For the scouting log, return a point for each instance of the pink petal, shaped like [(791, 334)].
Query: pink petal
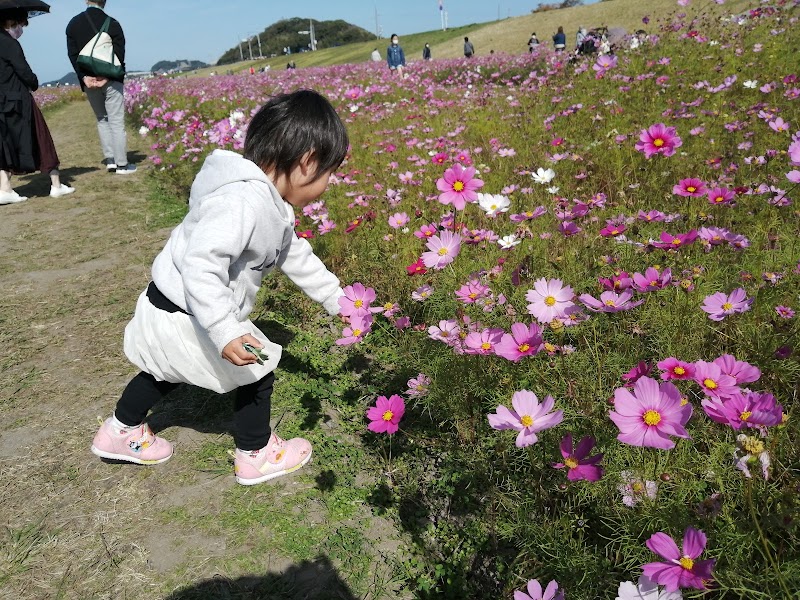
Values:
[(664, 546)]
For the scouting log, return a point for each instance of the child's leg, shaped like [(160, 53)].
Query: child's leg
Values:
[(260, 455), (125, 436), (251, 414), (140, 395)]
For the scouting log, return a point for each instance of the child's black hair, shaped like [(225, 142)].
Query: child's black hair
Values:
[(290, 125)]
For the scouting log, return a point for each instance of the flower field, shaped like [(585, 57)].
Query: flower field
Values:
[(571, 297)]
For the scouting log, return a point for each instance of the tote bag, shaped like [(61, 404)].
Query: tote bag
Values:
[(98, 56)]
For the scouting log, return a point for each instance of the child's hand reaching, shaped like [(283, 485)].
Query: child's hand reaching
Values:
[(235, 353)]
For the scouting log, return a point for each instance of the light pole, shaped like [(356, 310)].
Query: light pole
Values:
[(241, 54), (310, 32), (259, 46), (249, 47)]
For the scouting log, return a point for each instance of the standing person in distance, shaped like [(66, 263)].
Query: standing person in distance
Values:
[(25, 141), (559, 40), (395, 56), (192, 324), (105, 95), (469, 49), (533, 41), (375, 56), (426, 52)]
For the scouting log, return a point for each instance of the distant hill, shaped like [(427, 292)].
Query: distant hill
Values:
[(69, 79), (178, 65), (284, 34)]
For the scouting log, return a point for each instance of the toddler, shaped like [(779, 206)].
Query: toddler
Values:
[(191, 323)]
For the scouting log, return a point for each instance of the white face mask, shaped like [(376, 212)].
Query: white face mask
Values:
[(15, 32), (395, 42)]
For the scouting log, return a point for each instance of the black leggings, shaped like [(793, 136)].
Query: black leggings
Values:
[(251, 407)]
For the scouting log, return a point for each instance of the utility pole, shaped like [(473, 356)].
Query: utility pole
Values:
[(241, 54), (377, 24), (259, 46), (313, 35), (250, 47)]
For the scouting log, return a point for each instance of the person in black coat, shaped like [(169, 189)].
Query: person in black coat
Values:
[(105, 95), (25, 141)]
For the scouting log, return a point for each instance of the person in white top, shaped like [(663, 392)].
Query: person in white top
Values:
[(191, 324)]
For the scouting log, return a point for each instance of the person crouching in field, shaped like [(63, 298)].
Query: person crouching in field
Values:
[(191, 323)]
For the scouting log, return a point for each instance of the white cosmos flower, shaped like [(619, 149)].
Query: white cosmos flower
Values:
[(543, 176), (646, 590), (143, 130), (493, 204), (751, 83), (508, 241), (553, 189)]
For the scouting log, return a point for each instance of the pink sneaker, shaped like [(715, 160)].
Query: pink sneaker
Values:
[(278, 457), (137, 445)]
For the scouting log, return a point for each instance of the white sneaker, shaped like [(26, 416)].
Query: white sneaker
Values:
[(61, 191), (126, 169), (11, 197), (111, 166)]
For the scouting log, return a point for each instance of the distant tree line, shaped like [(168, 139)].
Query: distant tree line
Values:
[(557, 5)]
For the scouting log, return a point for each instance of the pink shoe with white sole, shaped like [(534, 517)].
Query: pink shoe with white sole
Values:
[(279, 457), (133, 444)]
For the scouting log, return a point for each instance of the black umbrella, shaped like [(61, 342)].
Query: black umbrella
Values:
[(34, 7)]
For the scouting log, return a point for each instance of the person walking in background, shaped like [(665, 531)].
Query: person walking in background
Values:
[(395, 56), (375, 56), (426, 52), (469, 49), (533, 41), (191, 324), (560, 40), (580, 37), (105, 95), (25, 141)]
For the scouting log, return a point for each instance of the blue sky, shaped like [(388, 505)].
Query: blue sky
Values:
[(204, 29)]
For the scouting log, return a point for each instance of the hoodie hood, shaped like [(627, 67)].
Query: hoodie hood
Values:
[(224, 170)]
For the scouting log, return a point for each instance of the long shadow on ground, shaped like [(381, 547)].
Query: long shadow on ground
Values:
[(308, 580)]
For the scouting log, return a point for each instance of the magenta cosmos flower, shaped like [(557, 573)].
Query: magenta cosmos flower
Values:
[(458, 186), (356, 300), (650, 415), (359, 327), (549, 299), (524, 340), (443, 249), (580, 467), (720, 305), (675, 369), (751, 409), (651, 280), (682, 570), (658, 139), (741, 371), (610, 302), (713, 381), (673, 242), (534, 589), (385, 416), (528, 417), (690, 188)]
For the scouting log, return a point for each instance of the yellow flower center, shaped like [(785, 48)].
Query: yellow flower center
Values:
[(745, 415), (571, 462), (727, 306), (610, 303), (686, 562), (679, 371), (524, 347), (473, 295), (753, 445), (526, 420), (719, 199), (387, 416), (654, 282), (691, 189), (549, 347), (358, 303), (550, 300), (388, 306), (684, 401), (651, 417), (486, 346), (710, 384), (442, 251), (493, 207), (458, 186), (676, 242), (658, 142), (356, 332), (637, 487)]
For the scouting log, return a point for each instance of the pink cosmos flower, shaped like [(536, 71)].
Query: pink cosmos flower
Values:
[(719, 305), (652, 215), (443, 250), (355, 332), (690, 188), (673, 242), (447, 332), (398, 220), (719, 195), (386, 414), (713, 381), (528, 417), (658, 139), (549, 299), (458, 186), (784, 312), (650, 414), (752, 409), (580, 467), (472, 291), (618, 282), (682, 570), (356, 300), (641, 369), (422, 293), (524, 340), (534, 590), (609, 302), (604, 63), (675, 369), (528, 214), (741, 371), (612, 230), (651, 280), (779, 125), (482, 342), (417, 268), (418, 386)]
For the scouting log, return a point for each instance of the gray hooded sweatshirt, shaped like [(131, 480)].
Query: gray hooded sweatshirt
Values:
[(237, 230)]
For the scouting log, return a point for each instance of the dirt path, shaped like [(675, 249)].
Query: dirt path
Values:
[(75, 527)]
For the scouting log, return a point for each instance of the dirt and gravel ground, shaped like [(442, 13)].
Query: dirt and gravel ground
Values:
[(74, 526)]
